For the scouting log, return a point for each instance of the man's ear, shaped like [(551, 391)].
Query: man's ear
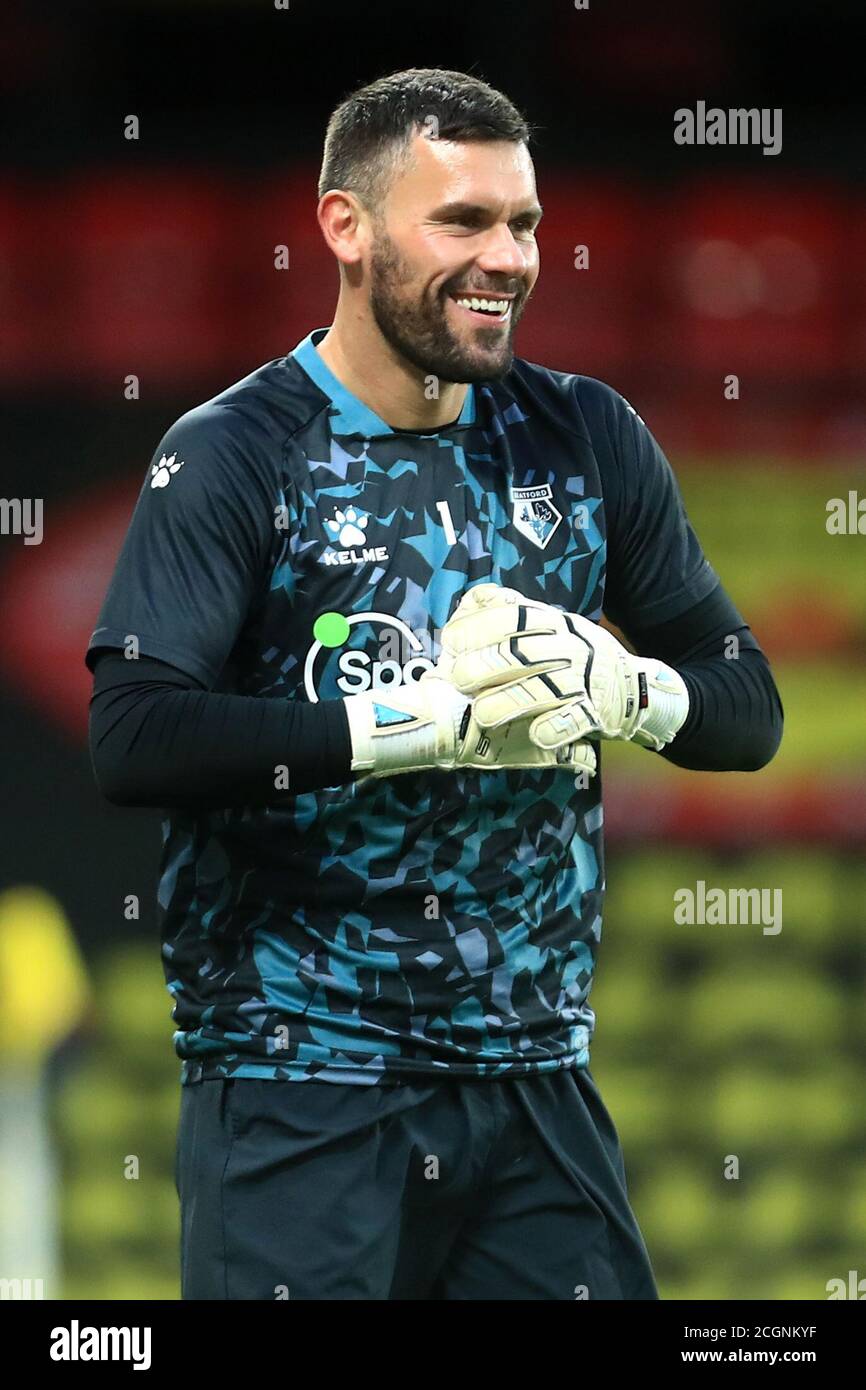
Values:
[(344, 225)]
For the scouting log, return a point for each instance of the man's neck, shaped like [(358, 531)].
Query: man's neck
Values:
[(396, 391)]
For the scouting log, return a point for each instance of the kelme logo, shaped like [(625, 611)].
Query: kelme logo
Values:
[(347, 531), (400, 654)]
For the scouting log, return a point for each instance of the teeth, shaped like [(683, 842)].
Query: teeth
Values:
[(488, 306)]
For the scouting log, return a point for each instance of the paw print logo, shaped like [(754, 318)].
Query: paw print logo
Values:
[(348, 527), (161, 473)]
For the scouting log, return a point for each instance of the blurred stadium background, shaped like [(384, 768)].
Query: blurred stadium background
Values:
[(154, 258)]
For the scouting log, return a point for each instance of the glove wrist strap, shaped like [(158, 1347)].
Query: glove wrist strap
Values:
[(667, 708), (401, 732)]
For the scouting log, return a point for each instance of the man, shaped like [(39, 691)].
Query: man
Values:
[(383, 877)]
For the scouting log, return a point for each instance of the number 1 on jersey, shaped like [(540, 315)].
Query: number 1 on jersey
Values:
[(447, 524)]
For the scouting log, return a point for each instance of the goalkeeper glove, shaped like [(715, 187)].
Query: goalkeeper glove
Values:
[(430, 724), (521, 658)]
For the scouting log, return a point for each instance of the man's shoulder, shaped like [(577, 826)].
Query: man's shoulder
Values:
[(582, 404), (262, 409)]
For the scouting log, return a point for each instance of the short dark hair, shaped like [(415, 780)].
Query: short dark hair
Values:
[(369, 133)]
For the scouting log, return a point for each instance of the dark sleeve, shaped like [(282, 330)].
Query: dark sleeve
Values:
[(735, 714), (197, 547), (665, 596), (656, 568), (157, 738)]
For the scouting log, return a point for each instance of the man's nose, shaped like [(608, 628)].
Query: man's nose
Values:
[(502, 253)]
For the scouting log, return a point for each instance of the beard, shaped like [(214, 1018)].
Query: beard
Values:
[(419, 330)]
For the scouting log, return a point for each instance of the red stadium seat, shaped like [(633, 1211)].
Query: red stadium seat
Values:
[(585, 320), (147, 262), (748, 274), (30, 248), (856, 289), (274, 308)]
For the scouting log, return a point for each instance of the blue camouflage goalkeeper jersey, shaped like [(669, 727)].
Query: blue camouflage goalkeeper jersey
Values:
[(289, 544)]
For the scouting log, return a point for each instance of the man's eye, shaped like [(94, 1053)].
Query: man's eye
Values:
[(471, 221)]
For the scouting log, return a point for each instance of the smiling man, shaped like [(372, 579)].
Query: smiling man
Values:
[(447, 286), (382, 878)]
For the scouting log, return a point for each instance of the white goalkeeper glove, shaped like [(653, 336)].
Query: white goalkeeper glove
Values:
[(573, 679), (430, 724)]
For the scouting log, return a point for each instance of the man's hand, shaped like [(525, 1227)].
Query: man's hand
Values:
[(572, 679), (431, 724)]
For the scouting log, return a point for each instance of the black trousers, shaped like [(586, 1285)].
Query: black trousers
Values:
[(494, 1189)]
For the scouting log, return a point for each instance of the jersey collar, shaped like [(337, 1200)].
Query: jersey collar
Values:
[(351, 415)]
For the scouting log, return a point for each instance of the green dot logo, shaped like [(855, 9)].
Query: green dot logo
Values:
[(358, 669), (331, 629)]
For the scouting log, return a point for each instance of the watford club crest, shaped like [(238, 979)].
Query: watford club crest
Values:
[(535, 516)]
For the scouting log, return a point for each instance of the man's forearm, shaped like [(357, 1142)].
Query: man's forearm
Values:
[(157, 738), (734, 722), (735, 714)]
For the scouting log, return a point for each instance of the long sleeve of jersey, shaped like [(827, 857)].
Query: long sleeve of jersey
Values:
[(664, 594), (157, 738), (735, 714)]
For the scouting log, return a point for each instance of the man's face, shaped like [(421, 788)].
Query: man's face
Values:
[(458, 223)]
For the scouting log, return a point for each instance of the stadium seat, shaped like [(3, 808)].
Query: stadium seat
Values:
[(273, 309), (587, 320), (147, 263), (749, 280)]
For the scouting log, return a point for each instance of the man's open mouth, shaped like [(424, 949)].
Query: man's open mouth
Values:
[(484, 307)]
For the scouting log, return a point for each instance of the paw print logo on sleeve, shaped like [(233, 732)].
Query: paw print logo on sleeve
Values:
[(162, 473), (348, 527)]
